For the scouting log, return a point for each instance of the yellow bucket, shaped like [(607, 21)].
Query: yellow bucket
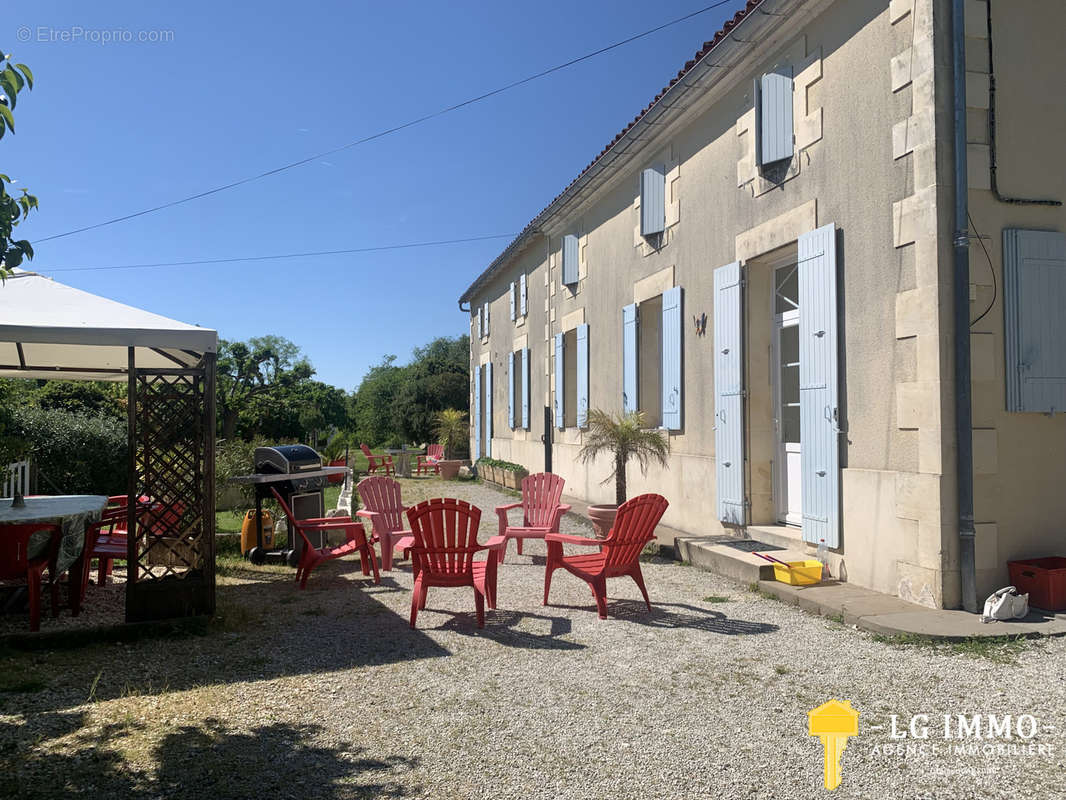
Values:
[(802, 573), (248, 531)]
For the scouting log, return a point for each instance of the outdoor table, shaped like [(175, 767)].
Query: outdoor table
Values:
[(401, 459), (73, 513)]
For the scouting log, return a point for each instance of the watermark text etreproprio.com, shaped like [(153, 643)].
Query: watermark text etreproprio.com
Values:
[(45, 34)]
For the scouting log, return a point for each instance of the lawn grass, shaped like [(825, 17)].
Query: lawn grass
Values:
[(998, 649)]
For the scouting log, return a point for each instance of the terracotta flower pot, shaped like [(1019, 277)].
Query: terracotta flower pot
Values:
[(602, 518), (449, 470)]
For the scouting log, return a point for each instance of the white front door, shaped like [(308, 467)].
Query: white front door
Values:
[(786, 361)]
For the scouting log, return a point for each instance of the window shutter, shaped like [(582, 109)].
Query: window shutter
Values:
[(774, 116), (559, 371), (510, 390), (477, 410), (819, 415), (582, 376), (729, 395), (672, 375), (525, 388), (512, 301), (1034, 293), (488, 409), (486, 333), (570, 256), (629, 358), (479, 324), (522, 294), (652, 201)]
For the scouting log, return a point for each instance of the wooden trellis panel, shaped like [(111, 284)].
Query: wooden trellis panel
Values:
[(171, 565)]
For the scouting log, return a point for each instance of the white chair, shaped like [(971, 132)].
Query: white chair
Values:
[(16, 477)]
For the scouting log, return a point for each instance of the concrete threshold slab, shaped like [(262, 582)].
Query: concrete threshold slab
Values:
[(864, 608)]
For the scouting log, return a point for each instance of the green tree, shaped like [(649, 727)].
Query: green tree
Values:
[(87, 397), (394, 404), (14, 78), (253, 373)]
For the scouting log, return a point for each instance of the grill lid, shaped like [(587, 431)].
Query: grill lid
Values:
[(286, 458)]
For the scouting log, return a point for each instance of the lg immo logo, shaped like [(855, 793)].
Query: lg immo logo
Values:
[(833, 723)]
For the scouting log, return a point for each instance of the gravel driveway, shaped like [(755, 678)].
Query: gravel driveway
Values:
[(328, 694)]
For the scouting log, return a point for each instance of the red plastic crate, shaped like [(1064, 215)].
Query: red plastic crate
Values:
[(1043, 578)]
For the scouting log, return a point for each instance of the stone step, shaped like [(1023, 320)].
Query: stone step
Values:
[(714, 553)]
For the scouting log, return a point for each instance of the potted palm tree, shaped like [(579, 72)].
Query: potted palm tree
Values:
[(450, 428), (622, 436)]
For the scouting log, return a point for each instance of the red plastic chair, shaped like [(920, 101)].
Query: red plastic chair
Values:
[(377, 462), (356, 542), (445, 532), (383, 506), (109, 541), (15, 563), (619, 553), (541, 510), (428, 462)]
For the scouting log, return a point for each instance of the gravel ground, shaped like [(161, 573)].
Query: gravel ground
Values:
[(328, 694)]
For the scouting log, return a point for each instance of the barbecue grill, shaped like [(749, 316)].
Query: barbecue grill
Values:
[(295, 471)]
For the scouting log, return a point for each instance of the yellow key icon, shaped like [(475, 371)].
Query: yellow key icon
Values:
[(833, 722)]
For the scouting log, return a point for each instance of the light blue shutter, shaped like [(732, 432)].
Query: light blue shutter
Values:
[(486, 331), (525, 388), (652, 201), (488, 409), (629, 358), (672, 374), (819, 413), (510, 390), (559, 419), (570, 256), (479, 322), (1034, 294), (582, 376), (477, 411), (774, 118), (729, 395), (522, 294), (512, 301)]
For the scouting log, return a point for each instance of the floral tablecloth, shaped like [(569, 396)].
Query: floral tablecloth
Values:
[(72, 512)]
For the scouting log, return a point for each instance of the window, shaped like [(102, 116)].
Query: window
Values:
[(1034, 293), (518, 298), (570, 259), (518, 389), (773, 117), (652, 201), (651, 359), (572, 378)]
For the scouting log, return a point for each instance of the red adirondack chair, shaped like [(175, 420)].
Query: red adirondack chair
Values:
[(15, 563), (377, 462), (383, 506), (541, 510), (445, 532), (619, 553), (434, 454), (356, 542)]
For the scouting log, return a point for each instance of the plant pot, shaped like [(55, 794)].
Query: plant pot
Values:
[(602, 518), (449, 469), (513, 480)]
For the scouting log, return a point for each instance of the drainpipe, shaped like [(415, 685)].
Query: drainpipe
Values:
[(961, 242)]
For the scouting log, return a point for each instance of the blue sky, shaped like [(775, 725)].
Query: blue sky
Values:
[(112, 128)]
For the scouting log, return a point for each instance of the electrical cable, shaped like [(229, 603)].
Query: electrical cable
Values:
[(313, 254), (995, 285), (388, 131)]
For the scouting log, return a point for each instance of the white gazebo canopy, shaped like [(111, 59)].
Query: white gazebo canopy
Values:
[(50, 330)]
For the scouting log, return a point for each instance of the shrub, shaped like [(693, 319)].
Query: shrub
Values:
[(74, 453)]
